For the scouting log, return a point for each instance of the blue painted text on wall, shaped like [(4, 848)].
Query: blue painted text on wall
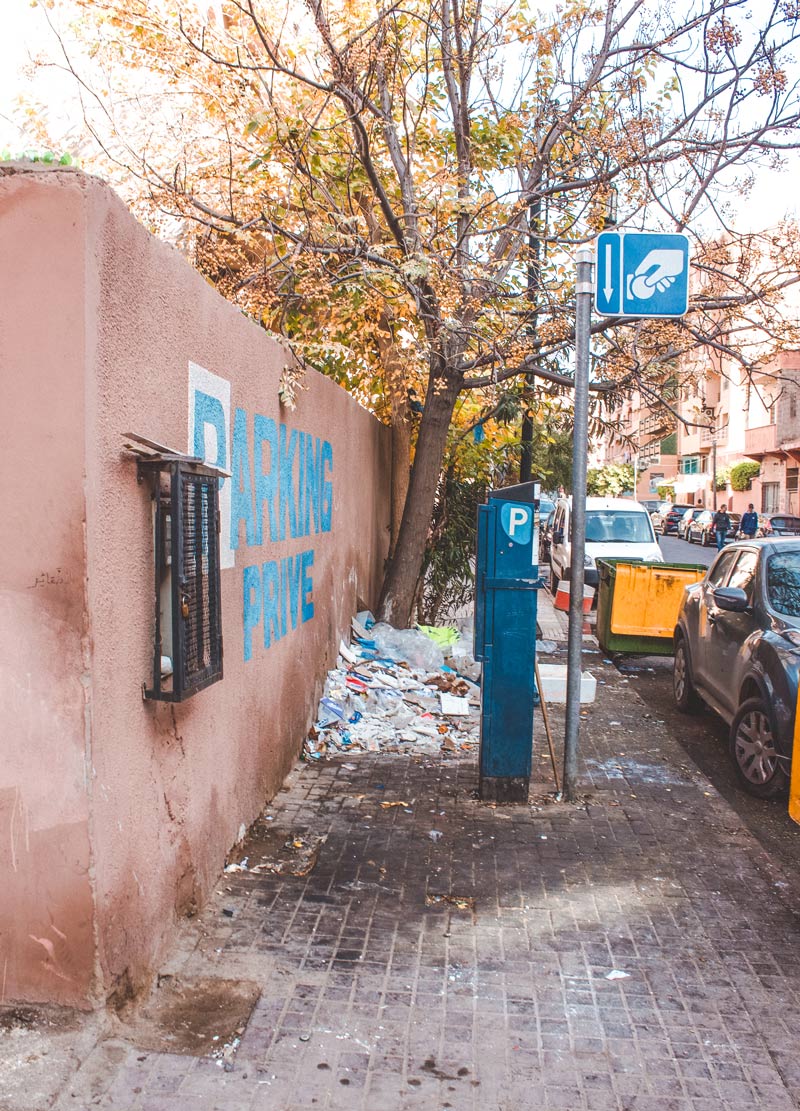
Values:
[(281, 482), (280, 489), (278, 597)]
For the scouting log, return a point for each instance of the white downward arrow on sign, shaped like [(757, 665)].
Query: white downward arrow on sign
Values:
[(608, 288)]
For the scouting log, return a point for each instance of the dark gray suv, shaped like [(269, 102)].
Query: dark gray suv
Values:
[(737, 647)]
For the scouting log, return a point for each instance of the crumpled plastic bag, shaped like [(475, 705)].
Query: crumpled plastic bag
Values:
[(410, 645), (461, 658), (462, 647)]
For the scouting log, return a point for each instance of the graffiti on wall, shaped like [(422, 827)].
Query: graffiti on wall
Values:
[(280, 490)]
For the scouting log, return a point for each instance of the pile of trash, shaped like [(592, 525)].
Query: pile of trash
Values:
[(398, 690)]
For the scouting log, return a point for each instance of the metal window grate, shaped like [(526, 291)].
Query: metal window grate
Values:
[(199, 579), (187, 652)]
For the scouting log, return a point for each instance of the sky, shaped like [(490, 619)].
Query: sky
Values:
[(24, 32)]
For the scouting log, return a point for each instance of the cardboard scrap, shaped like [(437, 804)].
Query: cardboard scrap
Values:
[(452, 704)]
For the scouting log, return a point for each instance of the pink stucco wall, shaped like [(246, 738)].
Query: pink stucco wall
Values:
[(46, 919), (120, 811)]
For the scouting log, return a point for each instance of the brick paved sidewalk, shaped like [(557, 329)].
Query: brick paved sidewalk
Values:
[(377, 993)]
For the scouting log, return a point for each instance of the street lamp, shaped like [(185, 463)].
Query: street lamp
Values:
[(710, 411), (612, 204)]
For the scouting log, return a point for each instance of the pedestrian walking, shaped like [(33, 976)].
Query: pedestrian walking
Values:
[(722, 523), (749, 522)]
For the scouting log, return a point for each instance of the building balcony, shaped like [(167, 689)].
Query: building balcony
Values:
[(759, 442), (656, 426), (688, 443), (708, 436)]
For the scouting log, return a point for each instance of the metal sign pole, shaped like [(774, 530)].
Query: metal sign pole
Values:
[(577, 528)]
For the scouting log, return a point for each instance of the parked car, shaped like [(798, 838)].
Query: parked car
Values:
[(737, 647), (657, 514), (701, 528), (778, 524), (650, 504), (688, 516), (659, 511), (665, 520), (616, 528), (545, 537)]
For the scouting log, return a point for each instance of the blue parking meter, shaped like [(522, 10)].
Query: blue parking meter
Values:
[(507, 578)]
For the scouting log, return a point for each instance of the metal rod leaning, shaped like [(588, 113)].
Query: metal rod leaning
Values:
[(546, 719)]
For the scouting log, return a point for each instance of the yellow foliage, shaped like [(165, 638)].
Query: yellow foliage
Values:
[(316, 165)]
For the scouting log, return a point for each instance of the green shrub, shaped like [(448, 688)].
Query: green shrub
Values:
[(611, 480), (742, 474)]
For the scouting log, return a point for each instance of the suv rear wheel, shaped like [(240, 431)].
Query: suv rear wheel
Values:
[(755, 752), (686, 697)]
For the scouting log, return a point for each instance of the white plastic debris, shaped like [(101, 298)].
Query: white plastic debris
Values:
[(617, 974), (460, 657), (240, 867), (409, 645), (377, 700)]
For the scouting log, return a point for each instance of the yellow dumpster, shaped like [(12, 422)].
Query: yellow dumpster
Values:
[(638, 603)]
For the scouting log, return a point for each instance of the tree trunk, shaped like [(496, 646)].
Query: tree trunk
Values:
[(397, 389), (397, 596), (401, 469)]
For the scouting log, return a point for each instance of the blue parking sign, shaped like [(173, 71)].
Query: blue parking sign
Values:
[(642, 274)]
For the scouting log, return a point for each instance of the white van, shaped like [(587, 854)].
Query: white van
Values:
[(616, 528)]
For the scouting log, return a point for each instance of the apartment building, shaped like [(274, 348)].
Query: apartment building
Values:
[(731, 417), (644, 436), (775, 445)]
